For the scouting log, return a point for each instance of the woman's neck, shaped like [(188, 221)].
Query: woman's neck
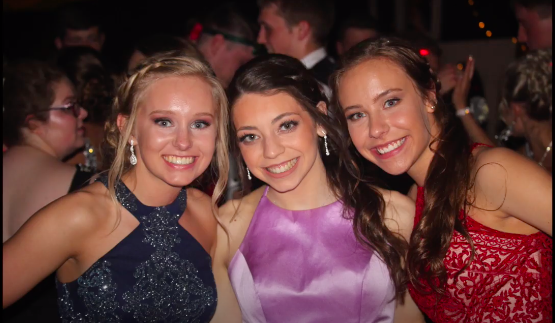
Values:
[(312, 192), (149, 189)]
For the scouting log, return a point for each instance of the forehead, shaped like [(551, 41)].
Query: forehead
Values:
[(252, 106), (178, 92), (370, 78), (82, 32), (63, 89), (271, 15)]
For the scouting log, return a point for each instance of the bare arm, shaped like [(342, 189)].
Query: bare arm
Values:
[(460, 95), (408, 312), (516, 185), (227, 309), (49, 238)]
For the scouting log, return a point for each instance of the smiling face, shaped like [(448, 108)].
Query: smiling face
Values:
[(175, 131), (278, 140), (388, 120)]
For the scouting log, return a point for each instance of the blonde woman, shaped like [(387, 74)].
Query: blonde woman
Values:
[(135, 246)]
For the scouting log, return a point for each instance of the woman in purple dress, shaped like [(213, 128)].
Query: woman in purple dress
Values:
[(291, 251)]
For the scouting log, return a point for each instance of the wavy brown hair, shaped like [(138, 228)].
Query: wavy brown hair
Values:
[(363, 203), (448, 178), (127, 101)]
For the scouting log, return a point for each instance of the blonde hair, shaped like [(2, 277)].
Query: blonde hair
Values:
[(529, 80), (126, 103)]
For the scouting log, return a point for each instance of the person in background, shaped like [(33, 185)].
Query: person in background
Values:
[(42, 124), (534, 22), (226, 39), (79, 25), (527, 104), (160, 43), (299, 29), (135, 245), (354, 29), (95, 90), (481, 247)]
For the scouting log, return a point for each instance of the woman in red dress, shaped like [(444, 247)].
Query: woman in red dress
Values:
[(481, 247)]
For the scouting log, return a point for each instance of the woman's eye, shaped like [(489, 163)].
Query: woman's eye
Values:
[(355, 116), (248, 138), (288, 125), (200, 125), (163, 122), (391, 102)]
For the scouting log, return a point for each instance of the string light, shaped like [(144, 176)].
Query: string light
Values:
[(424, 52), (460, 66), (488, 33), (471, 2), (514, 40), (481, 25)]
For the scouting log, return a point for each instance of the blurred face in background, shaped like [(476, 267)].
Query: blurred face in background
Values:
[(354, 36), (534, 27), (91, 37), (63, 132), (274, 33)]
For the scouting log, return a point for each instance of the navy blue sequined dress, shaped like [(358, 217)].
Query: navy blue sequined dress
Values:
[(158, 273)]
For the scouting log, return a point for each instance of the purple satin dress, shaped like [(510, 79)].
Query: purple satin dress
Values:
[(307, 267)]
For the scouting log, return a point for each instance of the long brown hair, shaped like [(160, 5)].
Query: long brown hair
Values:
[(127, 101), (448, 177), (275, 73)]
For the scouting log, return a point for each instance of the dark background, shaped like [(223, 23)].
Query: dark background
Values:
[(29, 25)]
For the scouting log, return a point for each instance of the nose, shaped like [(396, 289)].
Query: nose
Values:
[(182, 139), (82, 113), (522, 34), (377, 127), (272, 148), (261, 36)]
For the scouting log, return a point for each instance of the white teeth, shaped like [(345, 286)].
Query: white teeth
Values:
[(179, 160), (282, 168), (390, 147)]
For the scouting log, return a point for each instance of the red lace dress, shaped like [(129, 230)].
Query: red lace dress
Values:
[(508, 281)]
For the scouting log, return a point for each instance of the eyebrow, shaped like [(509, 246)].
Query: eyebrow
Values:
[(276, 119), (172, 113), (283, 115), (376, 98)]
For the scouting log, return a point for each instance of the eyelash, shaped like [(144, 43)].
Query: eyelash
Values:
[(352, 116), (290, 123), (396, 100), (243, 139), (203, 123)]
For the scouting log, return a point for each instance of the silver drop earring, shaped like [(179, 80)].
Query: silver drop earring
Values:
[(132, 158), (326, 144), (249, 174), (506, 133)]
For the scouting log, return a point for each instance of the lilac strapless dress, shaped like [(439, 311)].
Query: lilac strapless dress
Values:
[(307, 267)]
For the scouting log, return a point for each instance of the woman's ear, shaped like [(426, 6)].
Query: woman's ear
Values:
[(431, 101), (322, 107), (121, 122)]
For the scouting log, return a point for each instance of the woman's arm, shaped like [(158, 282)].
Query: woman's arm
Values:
[(49, 238), (227, 309), (516, 185)]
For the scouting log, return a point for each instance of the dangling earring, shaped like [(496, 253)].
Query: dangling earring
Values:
[(249, 174), (326, 143), (433, 107), (132, 158)]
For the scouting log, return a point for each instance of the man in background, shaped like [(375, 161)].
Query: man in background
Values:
[(300, 29), (356, 28), (226, 40), (79, 25), (534, 22)]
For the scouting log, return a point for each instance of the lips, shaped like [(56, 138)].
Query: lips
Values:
[(283, 167), (390, 146), (177, 160)]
